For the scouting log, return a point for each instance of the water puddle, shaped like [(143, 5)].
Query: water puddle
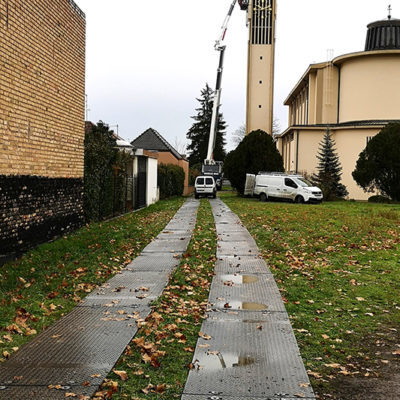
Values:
[(215, 360), (242, 305), (238, 279)]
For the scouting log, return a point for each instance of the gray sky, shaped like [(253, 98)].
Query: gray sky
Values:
[(148, 60)]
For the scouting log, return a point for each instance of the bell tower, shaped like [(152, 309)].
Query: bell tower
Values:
[(261, 56)]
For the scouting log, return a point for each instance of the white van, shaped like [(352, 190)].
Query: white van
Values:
[(275, 185), (205, 185)]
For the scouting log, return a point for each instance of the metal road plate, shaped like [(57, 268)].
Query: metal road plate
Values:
[(236, 237), (243, 248), (247, 359), (213, 396), (154, 262), (257, 292), (251, 265), (44, 393), (68, 352), (231, 219), (174, 235), (128, 288), (167, 246), (227, 228), (178, 226)]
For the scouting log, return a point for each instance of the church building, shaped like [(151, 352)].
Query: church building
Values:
[(353, 96)]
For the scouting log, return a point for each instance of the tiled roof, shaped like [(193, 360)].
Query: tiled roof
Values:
[(152, 140)]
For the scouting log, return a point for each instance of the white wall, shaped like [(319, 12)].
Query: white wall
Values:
[(152, 189)]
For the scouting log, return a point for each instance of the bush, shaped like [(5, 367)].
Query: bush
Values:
[(194, 172), (100, 156), (105, 174), (379, 199), (256, 152), (171, 180), (378, 166)]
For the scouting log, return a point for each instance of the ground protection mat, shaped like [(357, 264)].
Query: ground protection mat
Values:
[(247, 348), (74, 355)]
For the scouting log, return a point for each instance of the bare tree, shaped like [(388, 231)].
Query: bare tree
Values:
[(240, 132), (180, 145)]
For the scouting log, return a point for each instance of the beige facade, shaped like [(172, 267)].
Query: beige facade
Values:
[(354, 96), (261, 54), (42, 88)]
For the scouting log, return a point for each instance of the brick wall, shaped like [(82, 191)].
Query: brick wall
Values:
[(42, 88), (42, 113)]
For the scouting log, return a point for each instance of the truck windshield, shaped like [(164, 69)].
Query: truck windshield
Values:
[(303, 182)]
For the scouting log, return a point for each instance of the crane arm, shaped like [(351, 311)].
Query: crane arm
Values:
[(224, 27), (217, 93)]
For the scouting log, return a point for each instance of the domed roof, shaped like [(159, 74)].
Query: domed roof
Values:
[(383, 35)]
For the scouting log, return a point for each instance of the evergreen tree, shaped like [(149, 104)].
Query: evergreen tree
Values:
[(199, 133), (329, 170)]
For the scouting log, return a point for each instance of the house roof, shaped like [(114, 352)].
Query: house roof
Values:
[(152, 140)]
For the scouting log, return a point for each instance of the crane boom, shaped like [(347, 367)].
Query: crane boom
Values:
[(217, 93)]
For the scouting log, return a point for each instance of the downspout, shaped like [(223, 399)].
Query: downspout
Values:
[(338, 99), (297, 151)]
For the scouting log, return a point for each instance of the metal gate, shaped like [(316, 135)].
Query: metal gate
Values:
[(142, 182)]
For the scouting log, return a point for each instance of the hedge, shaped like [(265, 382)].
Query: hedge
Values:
[(171, 180)]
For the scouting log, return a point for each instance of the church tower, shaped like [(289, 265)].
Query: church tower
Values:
[(261, 55)]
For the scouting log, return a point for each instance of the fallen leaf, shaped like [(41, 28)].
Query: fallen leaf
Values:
[(333, 365), (325, 336), (122, 374)]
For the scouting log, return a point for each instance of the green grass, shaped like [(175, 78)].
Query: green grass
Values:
[(338, 269), (157, 361), (47, 282)]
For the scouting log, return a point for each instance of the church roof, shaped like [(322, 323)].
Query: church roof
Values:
[(152, 140), (383, 35)]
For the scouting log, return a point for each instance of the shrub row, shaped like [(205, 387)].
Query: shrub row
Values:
[(171, 179)]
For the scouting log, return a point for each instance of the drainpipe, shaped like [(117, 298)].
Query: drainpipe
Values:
[(338, 99), (297, 151)]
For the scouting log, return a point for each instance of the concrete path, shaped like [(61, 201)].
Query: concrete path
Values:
[(247, 349), (76, 353)]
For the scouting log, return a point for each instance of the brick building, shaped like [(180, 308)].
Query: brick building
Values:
[(166, 154), (42, 107)]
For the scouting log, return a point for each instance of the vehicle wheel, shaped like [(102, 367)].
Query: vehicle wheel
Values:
[(196, 196), (214, 196), (263, 197), (299, 200)]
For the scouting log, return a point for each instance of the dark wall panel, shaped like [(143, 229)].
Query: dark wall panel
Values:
[(35, 209)]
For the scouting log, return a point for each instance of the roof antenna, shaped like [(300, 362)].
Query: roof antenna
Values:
[(390, 12)]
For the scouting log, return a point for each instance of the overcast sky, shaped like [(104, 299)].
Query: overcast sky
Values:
[(148, 60)]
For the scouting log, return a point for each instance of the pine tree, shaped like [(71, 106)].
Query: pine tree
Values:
[(199, 133), (329, 170)]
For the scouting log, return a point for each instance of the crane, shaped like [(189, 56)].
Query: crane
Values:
[(210, 166)]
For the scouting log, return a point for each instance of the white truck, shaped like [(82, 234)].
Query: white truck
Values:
[(275, 185)]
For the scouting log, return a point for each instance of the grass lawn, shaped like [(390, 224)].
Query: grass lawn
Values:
[(156, 363), (47, 282), (338, 269)]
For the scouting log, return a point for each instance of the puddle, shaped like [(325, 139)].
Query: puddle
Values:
[(215, 361), (238, 279), (242, 305)]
